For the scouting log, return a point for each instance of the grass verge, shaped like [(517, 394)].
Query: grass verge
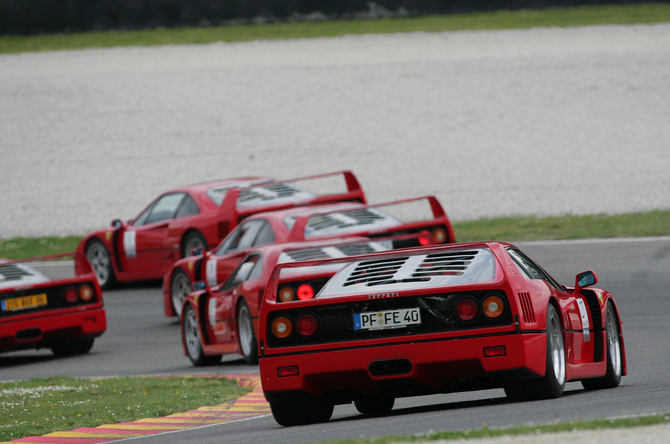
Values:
[(509, 229), (580, 16), (486, 431), (41, 406)]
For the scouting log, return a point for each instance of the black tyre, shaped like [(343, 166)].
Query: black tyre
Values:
[(245, 331), (101, 262), (553, 382), (292, 413), (71, 348), (191, 335), (375, 405), (193, 240), (614, 358), (180, 287)]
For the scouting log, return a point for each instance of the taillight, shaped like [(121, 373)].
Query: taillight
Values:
[(307, 325), (86, 292), (286, 294), (493, 307), (71, 295), (440, 235), (305, 292), (424, 238), (282, 327), (467, 309)]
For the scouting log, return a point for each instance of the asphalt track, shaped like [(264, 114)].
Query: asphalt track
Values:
[(141, 341)]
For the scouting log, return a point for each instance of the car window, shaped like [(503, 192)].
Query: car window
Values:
[(188, 207), (530, 269), (242, 237), (250, 269), (164, 208), (265, 235)]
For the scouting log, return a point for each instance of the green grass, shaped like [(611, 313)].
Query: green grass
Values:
[(509, 229), (581, 16), (41, 406), (486, 431)]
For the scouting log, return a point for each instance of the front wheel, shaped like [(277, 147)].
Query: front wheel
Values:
[(292, 413), (191, 335), (100, 261), (245, 330), (180, 287), (614, 360)]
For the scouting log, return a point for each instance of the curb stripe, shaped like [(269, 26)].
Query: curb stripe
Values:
[(251, 405)]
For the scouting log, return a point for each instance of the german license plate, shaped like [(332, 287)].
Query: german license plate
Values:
[(379, 320), (24, 302)]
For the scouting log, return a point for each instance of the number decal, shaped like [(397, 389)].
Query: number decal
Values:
[(210, 272), (129, 245), (585, 320)]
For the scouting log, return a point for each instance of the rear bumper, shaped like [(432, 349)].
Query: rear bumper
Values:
[(436, 367), (51, 328)]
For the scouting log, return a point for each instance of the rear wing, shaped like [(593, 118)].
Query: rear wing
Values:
[(229, 214), (299, 227)]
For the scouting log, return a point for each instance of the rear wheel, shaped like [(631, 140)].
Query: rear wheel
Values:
[(553, 382), (245, 330), (193, 240), (75, 347), (291, 413), (614, 360), (382, 404), (100, 261), (191, 335), (179, 289)]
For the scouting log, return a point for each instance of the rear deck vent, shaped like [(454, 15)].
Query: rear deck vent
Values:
[(356, 249), (267, 192), (527, 307), (308, 254), (375, 272), (343, 220), (445, 264), (12, 273)]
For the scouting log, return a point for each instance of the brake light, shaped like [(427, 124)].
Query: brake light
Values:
[(307, 325), (305, 292), (85, 292), (282, 327), (424, 239), (467, 310), (71, 295), (286, 294), (493, 307)]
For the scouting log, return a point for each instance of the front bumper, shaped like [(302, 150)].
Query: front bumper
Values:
[(50, 328), (437, 366)]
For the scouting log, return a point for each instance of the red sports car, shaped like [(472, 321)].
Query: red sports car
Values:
[(300, 224), (196, 216), (435, 320), (65, 315), (224, 319)]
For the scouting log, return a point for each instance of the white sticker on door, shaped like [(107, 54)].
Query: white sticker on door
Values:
[(129, 244), (585, 320), (210, 272)]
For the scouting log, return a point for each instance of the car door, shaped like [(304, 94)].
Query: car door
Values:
[(221, 312), (235, 247)]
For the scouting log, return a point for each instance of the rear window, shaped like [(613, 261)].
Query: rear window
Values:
[(262, 193), (343, 222)]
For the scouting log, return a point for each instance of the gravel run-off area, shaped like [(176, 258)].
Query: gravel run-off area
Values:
[(545, 121)]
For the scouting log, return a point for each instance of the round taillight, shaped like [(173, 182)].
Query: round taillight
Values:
[(493, 306), (71, 295), (467, 310), (86, 292), (286, 294), (424, 238), (307, 325), (282, 327), (305, 292), (440, 235)]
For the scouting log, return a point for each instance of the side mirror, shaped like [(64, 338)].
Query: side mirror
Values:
[(197, 251), (117, 223), (585, 279)]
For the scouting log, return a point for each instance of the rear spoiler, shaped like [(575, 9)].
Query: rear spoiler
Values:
[(298, 231), (229, 215)]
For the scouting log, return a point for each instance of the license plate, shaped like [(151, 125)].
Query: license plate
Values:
[(379, 320), (24, 302)]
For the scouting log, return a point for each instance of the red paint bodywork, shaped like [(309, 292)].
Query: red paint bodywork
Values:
[(195, 266), (43, 326), (160, 244), (442, 361)]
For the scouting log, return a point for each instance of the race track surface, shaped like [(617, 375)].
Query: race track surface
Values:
[(140, 340), (540, 121)]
